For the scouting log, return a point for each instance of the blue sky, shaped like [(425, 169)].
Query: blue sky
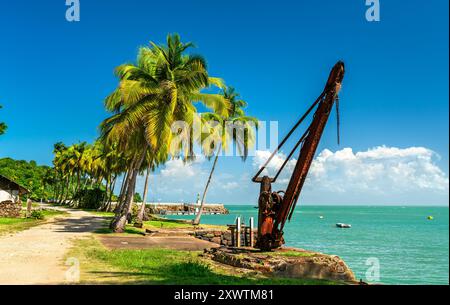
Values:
[(55, 75)]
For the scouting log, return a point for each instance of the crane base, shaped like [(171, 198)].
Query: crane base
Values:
[(268, 242)]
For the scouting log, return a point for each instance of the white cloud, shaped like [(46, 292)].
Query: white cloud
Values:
[(382, 170), (380, 175)]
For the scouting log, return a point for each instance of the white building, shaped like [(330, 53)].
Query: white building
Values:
[(10, 190)]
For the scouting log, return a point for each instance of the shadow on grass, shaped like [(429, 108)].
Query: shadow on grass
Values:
[(171, 267)]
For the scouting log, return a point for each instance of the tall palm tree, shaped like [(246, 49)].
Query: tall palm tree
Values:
[(243, 140), (160, 89), (154, 159), (2, 125)]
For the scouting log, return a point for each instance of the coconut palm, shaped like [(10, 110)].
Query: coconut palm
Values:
[(160, 89), (242, 138)]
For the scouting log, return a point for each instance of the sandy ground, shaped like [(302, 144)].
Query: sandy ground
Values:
[(36, 256)]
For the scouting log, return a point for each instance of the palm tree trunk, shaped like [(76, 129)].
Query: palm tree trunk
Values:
[(119, 222), (66, 190), (111, 193), (196, 221), (140, 216)]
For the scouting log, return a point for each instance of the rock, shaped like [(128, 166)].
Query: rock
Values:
[(216, 240), (306, 265), (227, 235), (10, 209)]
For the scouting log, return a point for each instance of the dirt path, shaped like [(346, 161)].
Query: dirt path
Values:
[(186, 243), (36, 256)]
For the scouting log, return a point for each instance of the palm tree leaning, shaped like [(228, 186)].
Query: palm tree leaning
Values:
[(243, 140), (160, 89)]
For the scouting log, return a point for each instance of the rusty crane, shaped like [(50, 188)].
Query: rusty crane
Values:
[(275, 208)]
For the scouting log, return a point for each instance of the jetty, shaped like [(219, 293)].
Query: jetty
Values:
[(176, 208)]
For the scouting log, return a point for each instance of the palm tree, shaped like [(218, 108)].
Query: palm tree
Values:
[(160, 89), (153, 161), (2, 125), (242, 140)]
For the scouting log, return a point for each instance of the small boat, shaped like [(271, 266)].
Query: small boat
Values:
[(321, 217), (343, 225), (430, 217)]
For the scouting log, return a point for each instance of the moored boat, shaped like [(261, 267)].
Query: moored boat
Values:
[(343, 225)]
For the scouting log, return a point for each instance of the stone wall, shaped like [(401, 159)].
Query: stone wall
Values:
[(221, 237), (10, 209), (170, 209)]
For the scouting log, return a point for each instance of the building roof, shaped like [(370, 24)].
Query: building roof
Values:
[(13, 185)]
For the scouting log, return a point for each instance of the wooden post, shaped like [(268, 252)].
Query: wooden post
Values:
[(252, 237), (29, 206), (238, 232), (233, 237)]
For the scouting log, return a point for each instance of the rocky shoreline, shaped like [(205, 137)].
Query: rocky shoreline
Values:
[(286, 263)]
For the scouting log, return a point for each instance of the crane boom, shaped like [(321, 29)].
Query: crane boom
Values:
[(274, 207)]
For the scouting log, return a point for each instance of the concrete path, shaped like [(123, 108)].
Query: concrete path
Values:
[(36, 256)]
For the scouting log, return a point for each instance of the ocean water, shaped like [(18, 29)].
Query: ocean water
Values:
[(409, 248)]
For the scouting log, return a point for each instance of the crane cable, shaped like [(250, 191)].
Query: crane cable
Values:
[(319, 99)]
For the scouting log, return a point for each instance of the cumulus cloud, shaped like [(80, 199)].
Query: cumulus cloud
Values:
[(380, 175), (383, 170)]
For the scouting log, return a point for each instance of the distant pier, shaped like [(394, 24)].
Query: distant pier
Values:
[(175, 208)]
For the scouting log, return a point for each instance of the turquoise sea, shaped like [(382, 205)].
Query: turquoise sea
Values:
[(410, 248)]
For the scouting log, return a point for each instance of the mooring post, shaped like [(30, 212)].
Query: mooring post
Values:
[(238, 232), (251, 236)]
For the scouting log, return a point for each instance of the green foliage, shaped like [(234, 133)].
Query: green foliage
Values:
[(137, 197), (2, 125), (37, 214), (90, 198), (29, 175)]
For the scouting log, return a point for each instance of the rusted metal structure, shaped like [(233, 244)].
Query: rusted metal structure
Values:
[(275, 208)]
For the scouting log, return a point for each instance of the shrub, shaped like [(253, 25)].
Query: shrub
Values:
[(90, 198), (37, 214)]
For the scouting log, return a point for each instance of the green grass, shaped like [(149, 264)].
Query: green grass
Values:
[(162, 266), (166, 224), (33, 204), (11, 225), (128, 230), (163, 223)]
